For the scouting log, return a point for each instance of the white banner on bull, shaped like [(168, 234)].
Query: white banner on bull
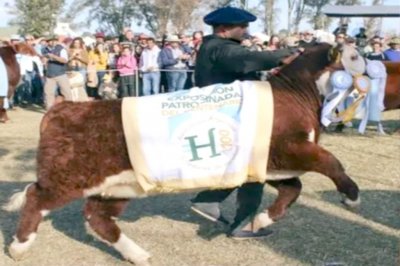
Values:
[(199, 138)]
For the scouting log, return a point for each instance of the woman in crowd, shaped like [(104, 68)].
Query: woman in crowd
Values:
[(274, 43), (78, 57), (100, 59), (377, 53), (113, 55), (127, 68)]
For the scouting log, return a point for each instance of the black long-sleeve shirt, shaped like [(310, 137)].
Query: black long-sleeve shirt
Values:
[(224, 60)]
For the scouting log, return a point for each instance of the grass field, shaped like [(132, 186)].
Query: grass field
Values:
[(316, 231)]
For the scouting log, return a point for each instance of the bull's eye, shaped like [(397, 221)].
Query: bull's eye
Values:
[(354, 57)]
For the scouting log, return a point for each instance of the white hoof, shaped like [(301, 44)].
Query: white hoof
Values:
[(18, 250), (351, 203), (143, 263), (262, 220), (131, 251)]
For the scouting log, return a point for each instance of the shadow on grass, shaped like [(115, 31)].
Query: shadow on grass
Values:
[(34, 108), (4, 152), (317, 238), (307, 235), (391, 127), (376, 205)]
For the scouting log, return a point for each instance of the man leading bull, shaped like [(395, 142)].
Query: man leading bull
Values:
[(221, 59)]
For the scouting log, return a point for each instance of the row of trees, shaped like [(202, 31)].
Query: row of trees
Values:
[(161, 16)]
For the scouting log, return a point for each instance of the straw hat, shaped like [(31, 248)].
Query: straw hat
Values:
[(173, 38), (395, 40)]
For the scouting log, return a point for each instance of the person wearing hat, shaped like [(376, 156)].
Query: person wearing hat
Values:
[(221, 59), (57, 60), (100, 37), (361, 39), (174, 59), (393, 53), (15, 38)]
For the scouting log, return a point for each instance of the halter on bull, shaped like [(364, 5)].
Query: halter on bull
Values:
[(81, 152)]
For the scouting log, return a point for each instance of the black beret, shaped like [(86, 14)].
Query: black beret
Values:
[(229, 16)]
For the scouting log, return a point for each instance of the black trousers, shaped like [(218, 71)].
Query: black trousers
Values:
[(127, 86), (249, 198)]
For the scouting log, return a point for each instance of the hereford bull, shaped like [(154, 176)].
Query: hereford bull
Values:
[(392, 90), (8, 54), (82, 153)]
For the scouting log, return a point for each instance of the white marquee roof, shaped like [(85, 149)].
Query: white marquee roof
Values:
[(361, 11)]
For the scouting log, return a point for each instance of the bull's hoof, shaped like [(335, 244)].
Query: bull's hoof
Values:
[(4, 119), (144, 260), (350, 203), (18, 250), (143, 263)]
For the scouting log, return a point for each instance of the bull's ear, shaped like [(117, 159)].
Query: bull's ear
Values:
[(335, 52)]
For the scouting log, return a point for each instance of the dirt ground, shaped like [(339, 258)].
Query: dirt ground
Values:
[(316, 231)]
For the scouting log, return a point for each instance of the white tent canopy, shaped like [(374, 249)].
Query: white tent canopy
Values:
[(361, 11)]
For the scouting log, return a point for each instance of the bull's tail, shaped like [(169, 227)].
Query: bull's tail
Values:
[(17, 201)]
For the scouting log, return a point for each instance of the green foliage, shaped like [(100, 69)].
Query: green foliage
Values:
[(36, 16)]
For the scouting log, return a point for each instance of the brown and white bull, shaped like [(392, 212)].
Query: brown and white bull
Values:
[(82, 153)]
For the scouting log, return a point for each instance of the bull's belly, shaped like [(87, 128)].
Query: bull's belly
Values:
[(283, 174), (122, 185), (125, 185)]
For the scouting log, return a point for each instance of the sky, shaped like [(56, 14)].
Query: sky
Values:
[(389, 24)]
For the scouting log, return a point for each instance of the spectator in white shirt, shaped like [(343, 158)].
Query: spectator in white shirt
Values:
[(149, 65), (27, 60)]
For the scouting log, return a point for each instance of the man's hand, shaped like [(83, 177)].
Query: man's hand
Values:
[(290, 58)]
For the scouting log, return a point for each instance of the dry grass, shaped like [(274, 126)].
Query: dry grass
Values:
[(316, 231)]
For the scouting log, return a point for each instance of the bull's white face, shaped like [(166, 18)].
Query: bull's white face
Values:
[(350, 60), (323, 84)]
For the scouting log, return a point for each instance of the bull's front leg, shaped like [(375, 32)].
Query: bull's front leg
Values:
[(3, 112), (310, 157), (100, 214), (288, 192)]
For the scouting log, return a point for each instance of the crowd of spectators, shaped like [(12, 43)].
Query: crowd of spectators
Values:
[(139, 64)]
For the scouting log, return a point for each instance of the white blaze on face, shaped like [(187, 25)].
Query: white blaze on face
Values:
[(323, 84)]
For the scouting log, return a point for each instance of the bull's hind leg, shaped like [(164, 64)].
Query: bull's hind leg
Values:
[(100, 214), (37, 203), (288, 192)]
